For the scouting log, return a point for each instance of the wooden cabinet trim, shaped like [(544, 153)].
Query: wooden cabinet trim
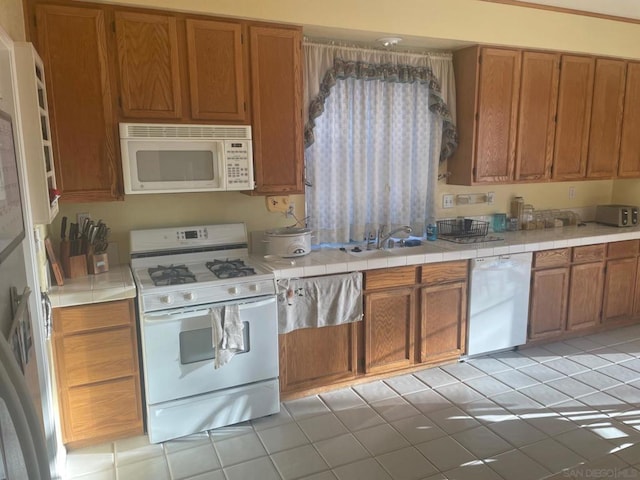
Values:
[(626, 248), (551, 258), (588, 253), (444, 272), (390, 277)]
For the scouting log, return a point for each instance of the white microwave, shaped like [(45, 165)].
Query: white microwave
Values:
[(165, 158)]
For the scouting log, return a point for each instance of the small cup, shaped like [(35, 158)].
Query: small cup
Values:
[(499, 222)]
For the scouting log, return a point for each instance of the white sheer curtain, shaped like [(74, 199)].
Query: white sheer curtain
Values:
[(374, 159)]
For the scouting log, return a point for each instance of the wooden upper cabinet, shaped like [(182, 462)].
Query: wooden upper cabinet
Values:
[(148, 65), (72, 42), (216, 58), (276, 103), (498, 91), (606, 118), (575, 90), (536, 115), (629, 165)]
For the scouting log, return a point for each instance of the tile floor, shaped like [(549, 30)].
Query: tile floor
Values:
[(564, 410)]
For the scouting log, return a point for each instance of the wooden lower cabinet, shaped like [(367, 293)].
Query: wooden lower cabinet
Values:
[(548, 302), (619, 289), (389, 329), (585, 295), (443, 325), (314, 357), (97, 372), (413, 315)]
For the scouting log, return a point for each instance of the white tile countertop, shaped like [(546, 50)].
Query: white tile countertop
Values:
[(324, 261), (116, 284)]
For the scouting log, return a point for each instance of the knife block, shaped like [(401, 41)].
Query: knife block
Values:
[(75, 266), (98, 263)]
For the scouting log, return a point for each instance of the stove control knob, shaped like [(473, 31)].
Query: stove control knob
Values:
[(166, 299), (254, 288), (234, 291), (189, 296)]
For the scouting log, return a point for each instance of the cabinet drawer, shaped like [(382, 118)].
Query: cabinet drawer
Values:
[(92, 316), (628, 248), (109, 409), (551, 258), (98, 356), (589, 253), (444, 272), (390, 277)]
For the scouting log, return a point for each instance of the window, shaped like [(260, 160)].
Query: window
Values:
[(374, 150)]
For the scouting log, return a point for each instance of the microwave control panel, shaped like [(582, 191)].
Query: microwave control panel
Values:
[(238, 164)]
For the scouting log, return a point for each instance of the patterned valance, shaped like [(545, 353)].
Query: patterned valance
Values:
[(343, 69)]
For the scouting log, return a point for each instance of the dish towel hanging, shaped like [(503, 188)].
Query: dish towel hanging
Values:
[(227, 333), (319, 301)]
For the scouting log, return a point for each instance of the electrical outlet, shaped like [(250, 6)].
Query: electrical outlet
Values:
[(572, 193), (448, 200), (278, 204), (81, 216), (491, 197)]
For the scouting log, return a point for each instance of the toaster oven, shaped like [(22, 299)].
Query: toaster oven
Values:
[(617, 215)]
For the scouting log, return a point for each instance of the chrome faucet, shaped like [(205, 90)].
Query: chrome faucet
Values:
[(382, 238)]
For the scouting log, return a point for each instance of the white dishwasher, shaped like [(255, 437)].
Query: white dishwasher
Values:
[(498, 303)]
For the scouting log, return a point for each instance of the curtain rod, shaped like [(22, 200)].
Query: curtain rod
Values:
[(355, 47)]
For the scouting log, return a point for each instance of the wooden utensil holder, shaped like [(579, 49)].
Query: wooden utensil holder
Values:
[(98, 263), (75, 266)]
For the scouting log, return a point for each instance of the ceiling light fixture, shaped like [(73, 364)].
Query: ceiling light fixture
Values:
[(389, 41)]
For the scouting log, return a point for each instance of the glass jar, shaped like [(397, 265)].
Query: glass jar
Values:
[(517, 208)]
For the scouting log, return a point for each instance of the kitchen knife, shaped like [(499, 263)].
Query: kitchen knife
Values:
[(65, 247), (63, 228)]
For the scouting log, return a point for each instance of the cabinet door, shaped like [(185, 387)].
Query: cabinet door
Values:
[(73, 45), (619, 289), (536, 115), (443, 322), (548, 304), (629, 165), (606, 118), (216, 57), (574, 113), (498, 91), (389, 329), (585, 295), (315, 357), (276, 103), (148, 65)]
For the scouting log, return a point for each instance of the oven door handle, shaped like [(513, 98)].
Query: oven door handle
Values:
[(174, 315)]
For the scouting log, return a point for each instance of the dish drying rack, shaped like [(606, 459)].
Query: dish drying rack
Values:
[(462, 227)]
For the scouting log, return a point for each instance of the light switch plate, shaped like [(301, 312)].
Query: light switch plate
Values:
[(448, 200)]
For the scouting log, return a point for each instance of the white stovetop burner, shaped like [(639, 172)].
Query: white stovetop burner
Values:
[(191, 248)]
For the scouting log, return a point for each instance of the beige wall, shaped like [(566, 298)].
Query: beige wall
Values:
[(471, 21), (12, 19)]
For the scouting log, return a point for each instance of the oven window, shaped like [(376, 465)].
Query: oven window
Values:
[(172, 166), (196, 345)]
